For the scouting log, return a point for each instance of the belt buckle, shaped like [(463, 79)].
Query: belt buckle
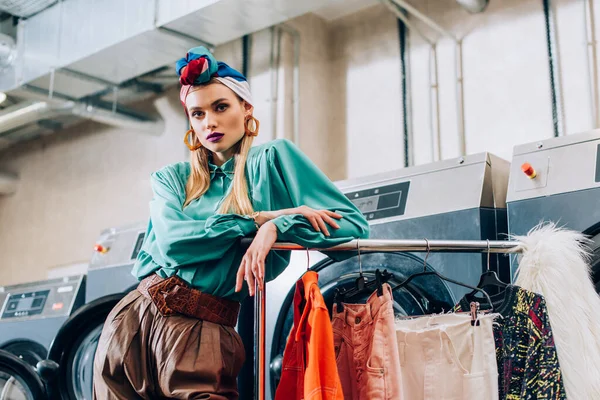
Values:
[(160, 290)]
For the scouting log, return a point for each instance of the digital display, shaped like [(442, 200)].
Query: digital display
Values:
[(381, 202), (378, 203), (138, 245), (366, 204), (25, 304)]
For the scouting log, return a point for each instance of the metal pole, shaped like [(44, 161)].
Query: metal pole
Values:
[(591, 52), (434, 93), (260, 305), (460, 95), (296, 80), (411, 245)]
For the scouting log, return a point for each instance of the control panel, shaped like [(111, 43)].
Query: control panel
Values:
[(118, 246), (381, 202), (51, 298), (559, 165)]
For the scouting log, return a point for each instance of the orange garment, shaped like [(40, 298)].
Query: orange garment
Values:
[(309, 367)]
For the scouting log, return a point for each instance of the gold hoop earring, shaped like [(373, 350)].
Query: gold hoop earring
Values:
[(250, 119), (187, 143)]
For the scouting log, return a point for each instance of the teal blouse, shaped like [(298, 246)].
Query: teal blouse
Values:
[(203, 247)]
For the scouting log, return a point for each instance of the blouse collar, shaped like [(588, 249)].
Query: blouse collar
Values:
[(227, 168)]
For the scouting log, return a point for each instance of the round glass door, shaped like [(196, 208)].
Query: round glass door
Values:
[(27, 350), (75, 345), (18, 380)]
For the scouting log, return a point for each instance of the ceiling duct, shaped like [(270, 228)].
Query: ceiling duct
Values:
[(80, 51), (474, 6), (25, 8), (115, 40)]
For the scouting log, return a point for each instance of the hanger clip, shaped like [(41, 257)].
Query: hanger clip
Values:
[(474, 313)]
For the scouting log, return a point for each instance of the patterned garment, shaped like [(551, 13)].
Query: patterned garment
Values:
[(528, 365)]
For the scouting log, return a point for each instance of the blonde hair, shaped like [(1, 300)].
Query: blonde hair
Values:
[(238, 200)]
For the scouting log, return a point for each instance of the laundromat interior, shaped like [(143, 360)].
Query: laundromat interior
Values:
[(464, 134)]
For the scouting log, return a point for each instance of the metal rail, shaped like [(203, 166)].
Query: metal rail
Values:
[(365, 245)]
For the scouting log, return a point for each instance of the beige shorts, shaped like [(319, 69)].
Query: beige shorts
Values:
[(443, 357)]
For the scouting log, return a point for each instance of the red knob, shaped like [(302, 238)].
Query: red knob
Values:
[(528, 170), (100, 249)]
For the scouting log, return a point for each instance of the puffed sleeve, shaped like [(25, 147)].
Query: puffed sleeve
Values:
[(297, 181), (180, 239)]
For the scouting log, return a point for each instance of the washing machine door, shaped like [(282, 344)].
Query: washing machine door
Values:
[(18, 379), (423, 295), (27, 350), (74, 348)]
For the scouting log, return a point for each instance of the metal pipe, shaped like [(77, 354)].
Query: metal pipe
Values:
[(458, 72), (102, 115), (460, 102), (553, 68), (296, 81), (406, 136), (411, 245), (590, 30), (434, 97), (260, 304), (274, 65), (22, 114)]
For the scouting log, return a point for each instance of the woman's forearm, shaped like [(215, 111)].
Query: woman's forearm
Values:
[(265, 216)]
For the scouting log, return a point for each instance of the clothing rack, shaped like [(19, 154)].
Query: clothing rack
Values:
[(364, 245)]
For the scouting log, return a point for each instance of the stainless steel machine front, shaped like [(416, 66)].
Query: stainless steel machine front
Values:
[(558, 180)]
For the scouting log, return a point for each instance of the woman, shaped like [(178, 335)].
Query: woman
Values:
[(174, 336)]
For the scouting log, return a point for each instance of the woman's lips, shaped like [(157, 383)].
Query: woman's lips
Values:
[(214, 137)]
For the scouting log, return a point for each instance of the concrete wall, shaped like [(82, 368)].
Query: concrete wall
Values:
[(90, 177)]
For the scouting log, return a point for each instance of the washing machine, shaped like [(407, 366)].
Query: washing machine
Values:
[(108, 280), (455, 199), (558, 180), (18, 379), (113, 257), (32, 313)]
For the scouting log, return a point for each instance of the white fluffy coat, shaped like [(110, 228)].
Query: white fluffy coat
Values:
[(555, 264)]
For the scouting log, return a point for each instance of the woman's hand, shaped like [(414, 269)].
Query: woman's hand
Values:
[(252, 267), (319, 219)]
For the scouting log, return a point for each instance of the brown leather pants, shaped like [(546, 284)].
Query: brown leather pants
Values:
[(144, 355)]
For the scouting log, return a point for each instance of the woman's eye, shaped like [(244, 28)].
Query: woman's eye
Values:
[(221, 107), (197, 114)]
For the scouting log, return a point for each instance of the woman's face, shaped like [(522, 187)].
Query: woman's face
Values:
[(217, 117)]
